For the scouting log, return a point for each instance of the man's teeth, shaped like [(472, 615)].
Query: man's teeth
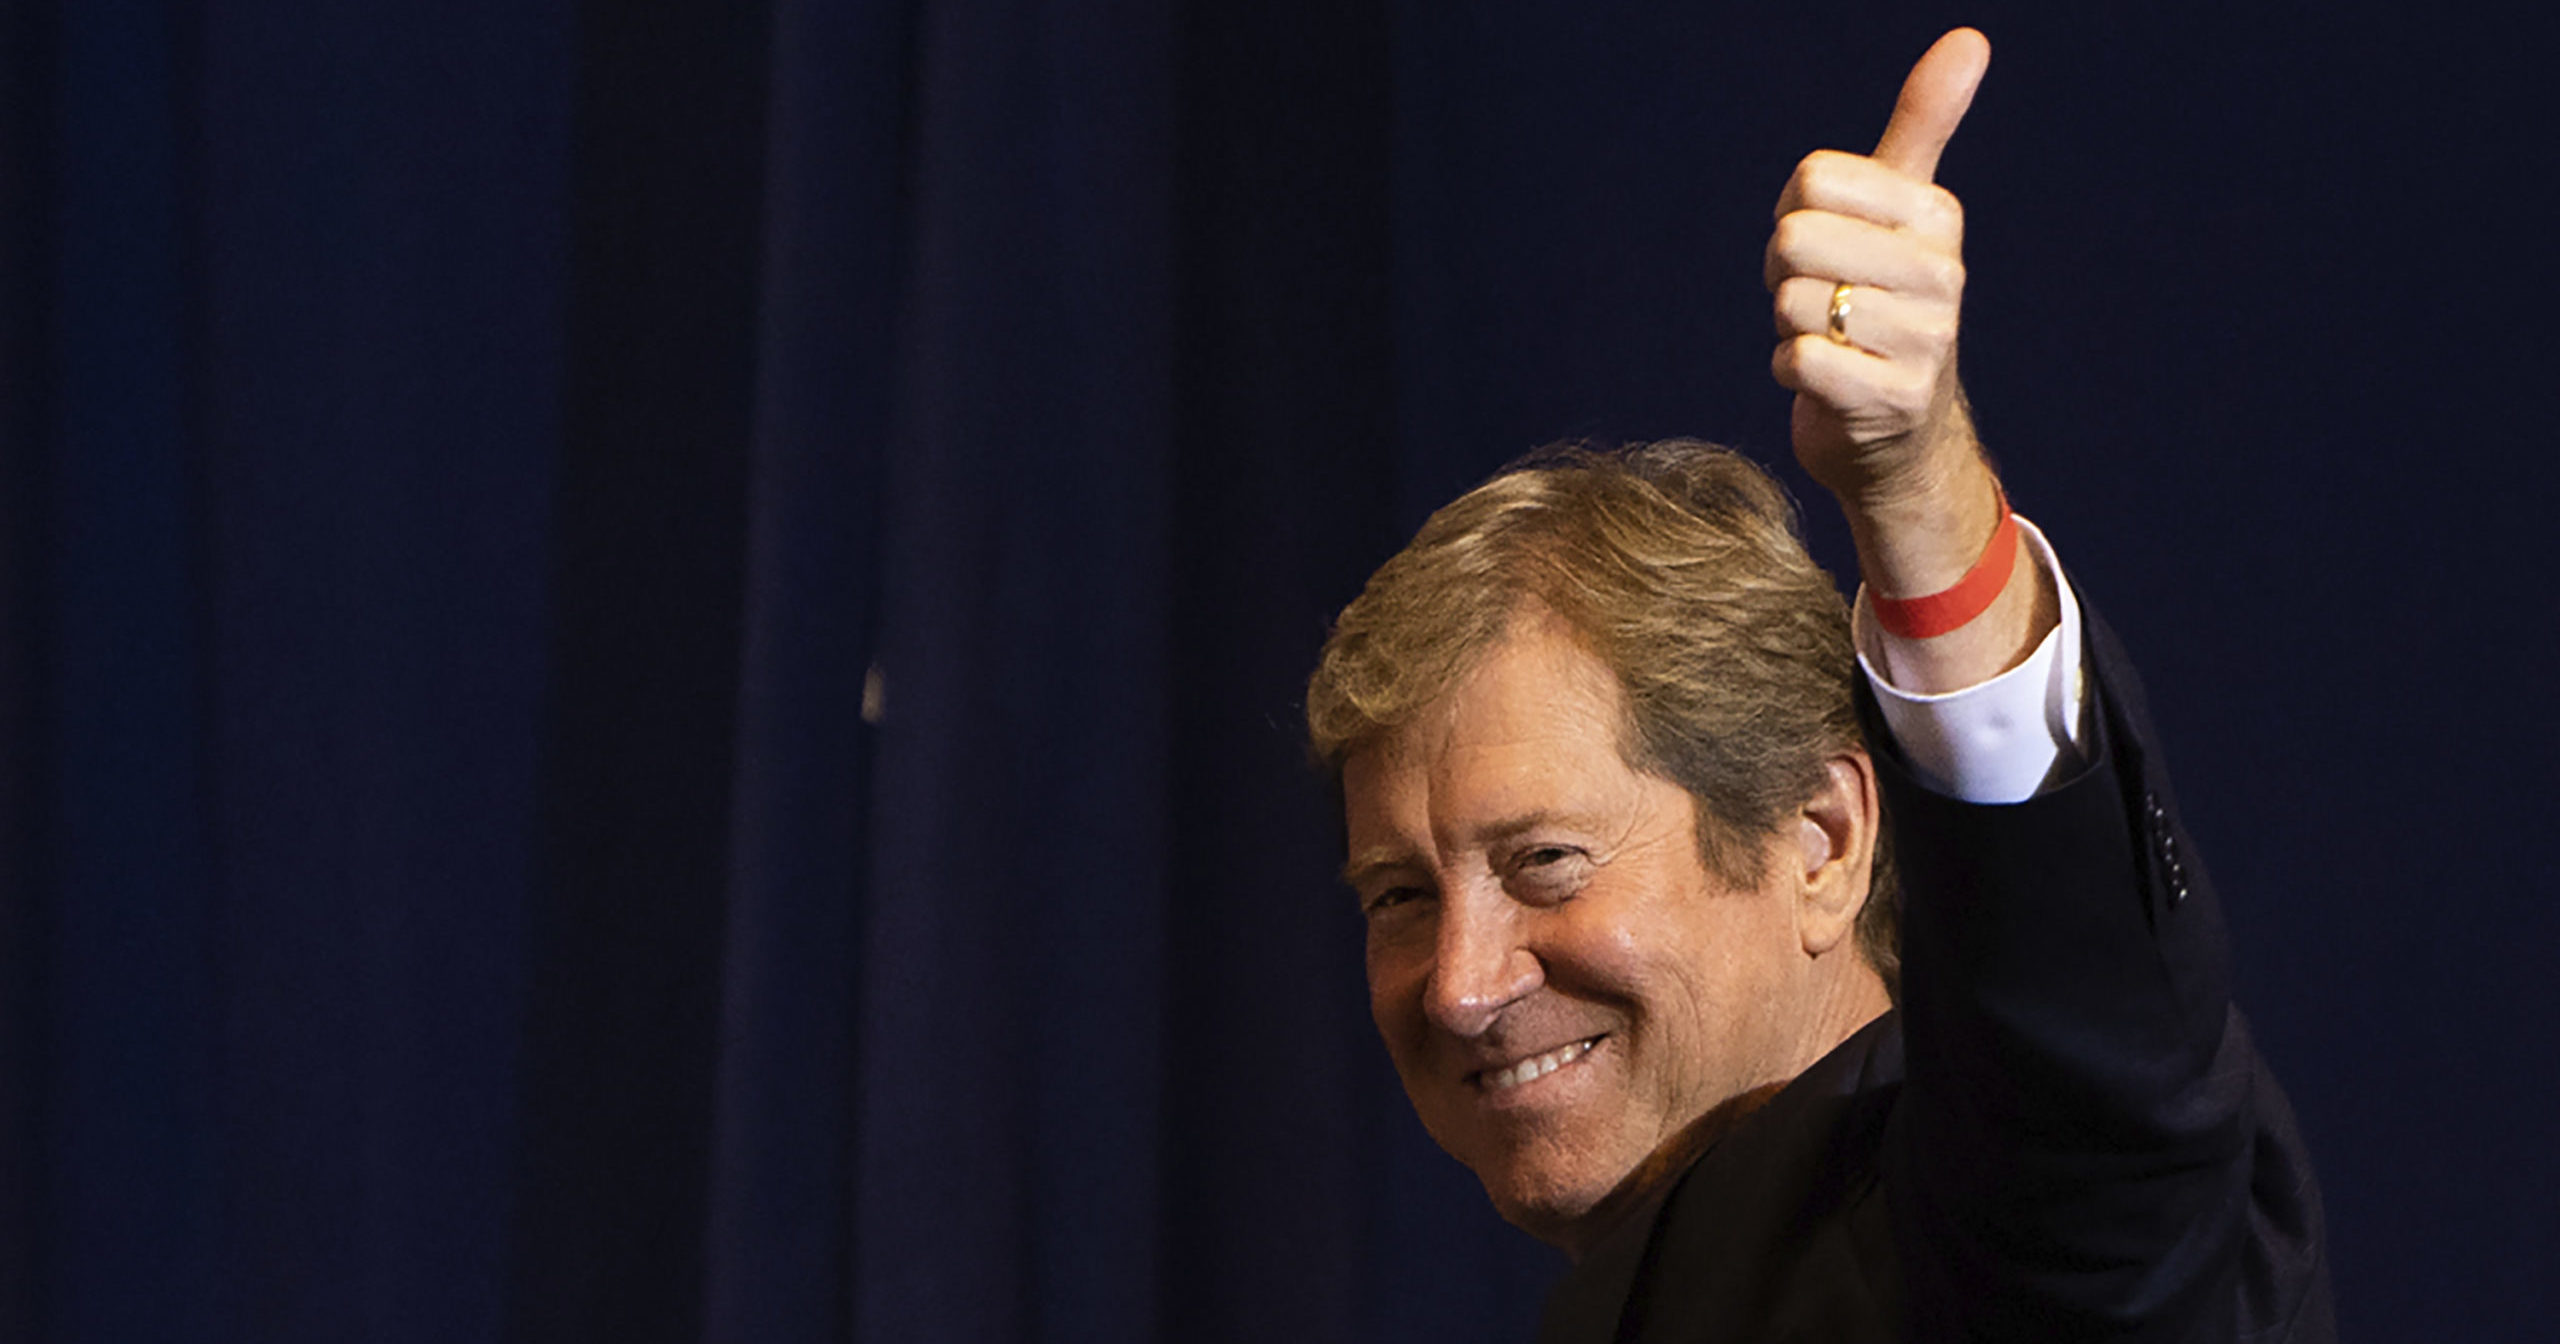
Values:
[(1537, 1066)]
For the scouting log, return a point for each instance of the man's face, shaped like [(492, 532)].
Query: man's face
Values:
[(1562, 984)]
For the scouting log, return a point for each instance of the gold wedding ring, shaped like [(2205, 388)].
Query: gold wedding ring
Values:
[(1840, 313)]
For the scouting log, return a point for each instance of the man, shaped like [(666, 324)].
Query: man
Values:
[(1619, 836)]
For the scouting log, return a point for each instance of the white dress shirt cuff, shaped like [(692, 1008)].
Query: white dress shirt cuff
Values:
[(1997, 741)]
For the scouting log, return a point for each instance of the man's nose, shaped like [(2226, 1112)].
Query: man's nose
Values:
[(1480, 967)]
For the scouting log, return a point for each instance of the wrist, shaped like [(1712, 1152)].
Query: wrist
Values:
[(1927, 535), (1954, 607)]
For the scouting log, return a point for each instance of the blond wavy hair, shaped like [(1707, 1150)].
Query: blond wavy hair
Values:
[(1680, 566)]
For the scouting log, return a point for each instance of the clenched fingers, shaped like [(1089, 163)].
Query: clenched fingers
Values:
[(1841, 247), (1878, 321), (1877, 397), (1858, 186)]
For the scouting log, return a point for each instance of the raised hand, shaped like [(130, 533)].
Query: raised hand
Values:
[(1867, 269)]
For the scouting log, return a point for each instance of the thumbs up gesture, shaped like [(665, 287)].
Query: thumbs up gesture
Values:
[(1867, 268)]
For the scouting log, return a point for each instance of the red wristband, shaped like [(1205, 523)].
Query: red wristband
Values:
[(1972, 595)]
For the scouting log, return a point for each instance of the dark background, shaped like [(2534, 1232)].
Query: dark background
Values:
[(461, 462)]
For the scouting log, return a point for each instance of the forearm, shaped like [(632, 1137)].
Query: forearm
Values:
[(2077, 1095)]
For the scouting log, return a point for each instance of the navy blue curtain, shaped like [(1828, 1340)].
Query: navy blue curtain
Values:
[(649, 650)]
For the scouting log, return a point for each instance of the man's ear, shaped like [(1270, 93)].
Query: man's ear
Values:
[(1836, 833)]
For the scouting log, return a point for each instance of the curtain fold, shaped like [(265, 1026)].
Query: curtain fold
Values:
[(780, 1242), (1009, 1014)]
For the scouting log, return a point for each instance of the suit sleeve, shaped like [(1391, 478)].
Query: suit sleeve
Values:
[(2084, 1143)]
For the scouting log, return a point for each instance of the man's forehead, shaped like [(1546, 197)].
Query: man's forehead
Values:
[(1530, 738)]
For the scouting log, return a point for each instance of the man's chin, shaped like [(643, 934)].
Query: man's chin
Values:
[(1569, 1196), (1565, 1208)]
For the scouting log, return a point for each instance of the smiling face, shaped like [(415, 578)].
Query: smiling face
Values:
[(1566, 991)]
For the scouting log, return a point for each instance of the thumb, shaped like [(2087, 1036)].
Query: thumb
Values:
[(1934, 98)]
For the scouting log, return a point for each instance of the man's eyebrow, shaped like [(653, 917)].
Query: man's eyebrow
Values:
[(1375, 861), (1512, 828)]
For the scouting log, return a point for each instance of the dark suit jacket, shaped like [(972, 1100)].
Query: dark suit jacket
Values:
[(2062, 1134)]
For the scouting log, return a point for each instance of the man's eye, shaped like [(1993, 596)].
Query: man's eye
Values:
[(1391, 898), (1546, 861), (1548, 872)]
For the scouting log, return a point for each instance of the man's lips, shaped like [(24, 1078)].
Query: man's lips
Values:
[(1534, 1067)]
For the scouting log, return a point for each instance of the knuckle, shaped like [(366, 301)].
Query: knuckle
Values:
[(1789, 235), (1830, 162), (1786, 363), (1823, 178)]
